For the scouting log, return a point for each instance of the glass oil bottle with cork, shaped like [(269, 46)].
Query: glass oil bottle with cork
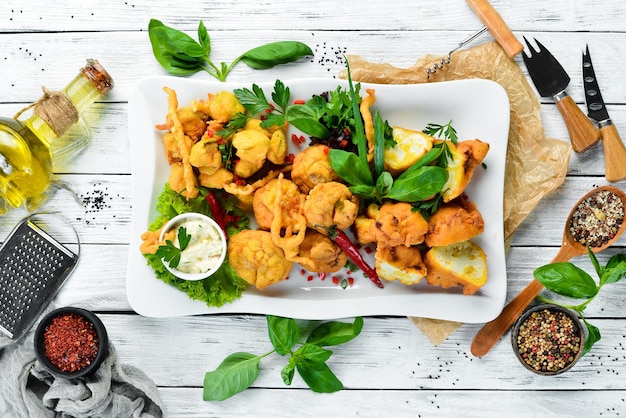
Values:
[(35, 141)]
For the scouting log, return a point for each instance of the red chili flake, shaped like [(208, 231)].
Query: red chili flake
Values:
[(368, 250), (268, 110), (299, 102), (302, 272), (322, 275), (210, 133), (289, 158), (326, 150), (346, 131), (262, 117), (335, 280), (343, 143), (350, 281), (70, 342), (309, 278)]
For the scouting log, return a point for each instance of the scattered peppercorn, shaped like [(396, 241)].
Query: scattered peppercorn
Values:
[(70, 342), (596, 220), (548, 341)]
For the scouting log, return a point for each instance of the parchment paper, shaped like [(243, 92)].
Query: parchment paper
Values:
[(535, 165)]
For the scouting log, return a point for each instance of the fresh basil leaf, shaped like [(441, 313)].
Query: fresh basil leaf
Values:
[(384, 184), (235, 374), (421, 184), (318, 377), (310, 127), (566, 279), (288, 371), (363, 191), (275, 53), (335, 333), (283, 332), (593, 336), (177, 52), (614, 270), (306, 117), (428, 158), (350, 167), (312, 352), (205, 39)]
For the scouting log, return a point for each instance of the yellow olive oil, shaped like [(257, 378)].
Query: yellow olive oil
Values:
[(32, 148)]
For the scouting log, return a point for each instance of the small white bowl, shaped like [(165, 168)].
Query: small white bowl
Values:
[(177, 220)]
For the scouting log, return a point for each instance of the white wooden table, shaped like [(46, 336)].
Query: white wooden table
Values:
[(391, 369)]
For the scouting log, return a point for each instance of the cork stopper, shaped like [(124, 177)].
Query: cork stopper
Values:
[(98, 76)]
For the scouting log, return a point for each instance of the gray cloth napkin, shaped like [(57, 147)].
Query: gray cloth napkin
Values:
[(114, 390)]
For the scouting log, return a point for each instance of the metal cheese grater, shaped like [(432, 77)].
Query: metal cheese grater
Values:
[(33, 267)]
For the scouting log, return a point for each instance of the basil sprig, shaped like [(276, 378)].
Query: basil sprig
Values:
[(181, 55), (239, 370), (568, 280)]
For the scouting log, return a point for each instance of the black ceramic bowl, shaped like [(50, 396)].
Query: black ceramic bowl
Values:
[(72, 328), (548, 339)]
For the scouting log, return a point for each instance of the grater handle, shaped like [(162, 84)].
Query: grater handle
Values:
[(498, 28)]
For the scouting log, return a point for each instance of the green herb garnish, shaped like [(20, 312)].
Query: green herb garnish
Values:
[(568, 280), (239, 370), (446, 131), (170, 252), (181, 55)]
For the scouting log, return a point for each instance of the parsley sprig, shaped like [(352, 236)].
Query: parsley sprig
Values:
[(170, 252)]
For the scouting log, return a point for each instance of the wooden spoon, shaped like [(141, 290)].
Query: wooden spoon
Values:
[(491, 332)]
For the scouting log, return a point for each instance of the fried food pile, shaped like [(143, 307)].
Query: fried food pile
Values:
[(299, 201)]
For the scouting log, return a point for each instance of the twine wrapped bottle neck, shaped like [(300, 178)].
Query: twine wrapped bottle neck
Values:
[(56, 109)]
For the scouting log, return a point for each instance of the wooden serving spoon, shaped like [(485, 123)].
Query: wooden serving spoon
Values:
[(491, 332)]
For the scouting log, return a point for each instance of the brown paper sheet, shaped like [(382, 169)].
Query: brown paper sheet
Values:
[(535, 165)]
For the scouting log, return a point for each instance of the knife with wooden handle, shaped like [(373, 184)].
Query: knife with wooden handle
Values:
[(614, 150)]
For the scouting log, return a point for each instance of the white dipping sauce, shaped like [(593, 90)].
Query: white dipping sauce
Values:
[(204, 249)]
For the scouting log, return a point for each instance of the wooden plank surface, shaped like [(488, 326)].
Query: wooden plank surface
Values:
[(392, 368)]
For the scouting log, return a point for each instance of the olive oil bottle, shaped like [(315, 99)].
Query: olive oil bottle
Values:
[(32, 146)]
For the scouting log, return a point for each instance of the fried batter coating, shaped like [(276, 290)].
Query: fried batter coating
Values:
[(466, 156), (368, 122), (216, 179), (245, 192), (179, 182), (289, 234), (390, 225), (150, 240), (256, 259), (461, 264), (252, 148), (292, 202), (318, 253), (330, 205), (312, 167), (454, 222), (222, 106), (205, 155), (400, 263)]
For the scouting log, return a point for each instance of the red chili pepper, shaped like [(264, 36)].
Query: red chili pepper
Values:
[(216, 210), (349, 248)]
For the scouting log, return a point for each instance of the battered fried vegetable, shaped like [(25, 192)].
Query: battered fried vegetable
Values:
[(400, 263), (466, 156), (454, 222), (318, 253), (292, 201), (390, 225), (312, 167), (255, 258), (330, 206)]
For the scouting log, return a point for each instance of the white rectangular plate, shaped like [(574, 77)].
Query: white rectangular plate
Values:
[(477, 108)]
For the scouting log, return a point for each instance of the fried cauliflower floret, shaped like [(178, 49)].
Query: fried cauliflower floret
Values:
[(466, 155), (461, 264), (252, 147), (291, 203), (454, 222), (318, 253), (312, 167), (256, 259), (194, 123), (409, 148), (150, 240), (330, 205), (400, 263), (216, 179), (390, 225), (205, 155), (222, 106), (179, 181)]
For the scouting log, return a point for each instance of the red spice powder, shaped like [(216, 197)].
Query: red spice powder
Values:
[(70, 342)]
